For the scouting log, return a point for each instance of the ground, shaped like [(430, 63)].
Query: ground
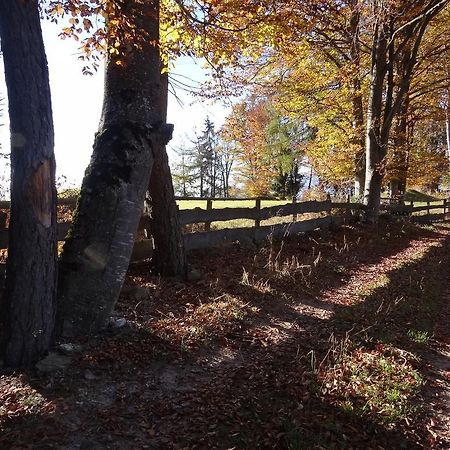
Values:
[(331, 340)]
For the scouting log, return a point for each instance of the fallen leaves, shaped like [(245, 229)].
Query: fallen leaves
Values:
[(246, 361)]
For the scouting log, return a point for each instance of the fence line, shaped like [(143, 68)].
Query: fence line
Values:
[(257, 233)]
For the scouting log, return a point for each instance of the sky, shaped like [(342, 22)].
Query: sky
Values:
[(77, 102)]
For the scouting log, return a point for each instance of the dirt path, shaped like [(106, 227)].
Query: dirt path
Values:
[(243, 359), (438, 388)]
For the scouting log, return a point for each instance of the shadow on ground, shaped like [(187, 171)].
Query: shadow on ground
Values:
[(240, 358)]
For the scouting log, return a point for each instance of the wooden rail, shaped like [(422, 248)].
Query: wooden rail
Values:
[(257, 233)]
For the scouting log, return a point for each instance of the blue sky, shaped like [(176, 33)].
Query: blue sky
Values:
[(77, 101)]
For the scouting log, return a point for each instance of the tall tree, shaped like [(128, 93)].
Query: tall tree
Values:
[(28, 309), (97, 251), (302, 53), (183, 173), (246, 130), (267, 148), (423, 109), (169, 257), (207, 146), (398, 30)]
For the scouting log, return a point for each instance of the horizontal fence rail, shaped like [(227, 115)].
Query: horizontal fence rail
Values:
[(204, 239)]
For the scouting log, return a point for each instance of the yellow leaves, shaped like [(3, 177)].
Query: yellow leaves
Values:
[(57, 10)]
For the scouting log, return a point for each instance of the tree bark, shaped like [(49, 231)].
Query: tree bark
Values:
[(98, 249), (360, 156), (398, 169), (447, 122), (357, 101), (169, 257), (29, 306), (375, 147), (386, 94)]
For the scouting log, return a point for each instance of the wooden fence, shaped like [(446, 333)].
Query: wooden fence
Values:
[(330, 213)]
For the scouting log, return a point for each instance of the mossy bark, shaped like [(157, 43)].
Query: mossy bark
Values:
[(97, 252)]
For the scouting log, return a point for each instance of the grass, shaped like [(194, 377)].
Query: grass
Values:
[(236, 203), (233, 203), (220, 314), (419, 336), (369, 288), (417, 197), (379, 382), (413, 195), (260, 285), (20, 398), (375, 371)]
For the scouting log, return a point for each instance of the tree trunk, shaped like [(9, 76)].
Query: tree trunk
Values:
[(386, 93), (447, 122), (29, 306), (169, 258), (375, 146), (374, 180), (375, 168), (98, 249), (357, 101), (398, 169), (360, 157)]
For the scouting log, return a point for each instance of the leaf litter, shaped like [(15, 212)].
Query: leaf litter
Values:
[(306, 344)]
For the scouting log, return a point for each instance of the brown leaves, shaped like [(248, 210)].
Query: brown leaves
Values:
[(18, 398), (228, 363)]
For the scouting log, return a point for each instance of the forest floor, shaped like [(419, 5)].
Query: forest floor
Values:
[(330, 340)]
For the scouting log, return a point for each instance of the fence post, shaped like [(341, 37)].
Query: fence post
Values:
[(428, 209), (294, 216), (3, 219), (444, 202), (348, 211), (258, 208), (209, 203)]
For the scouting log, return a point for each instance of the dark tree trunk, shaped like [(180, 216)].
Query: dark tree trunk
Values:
[(29, 306), (169, 258), (201, 182), (98, 249)]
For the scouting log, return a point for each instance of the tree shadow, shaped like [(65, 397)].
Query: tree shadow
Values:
[(252, 381)]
